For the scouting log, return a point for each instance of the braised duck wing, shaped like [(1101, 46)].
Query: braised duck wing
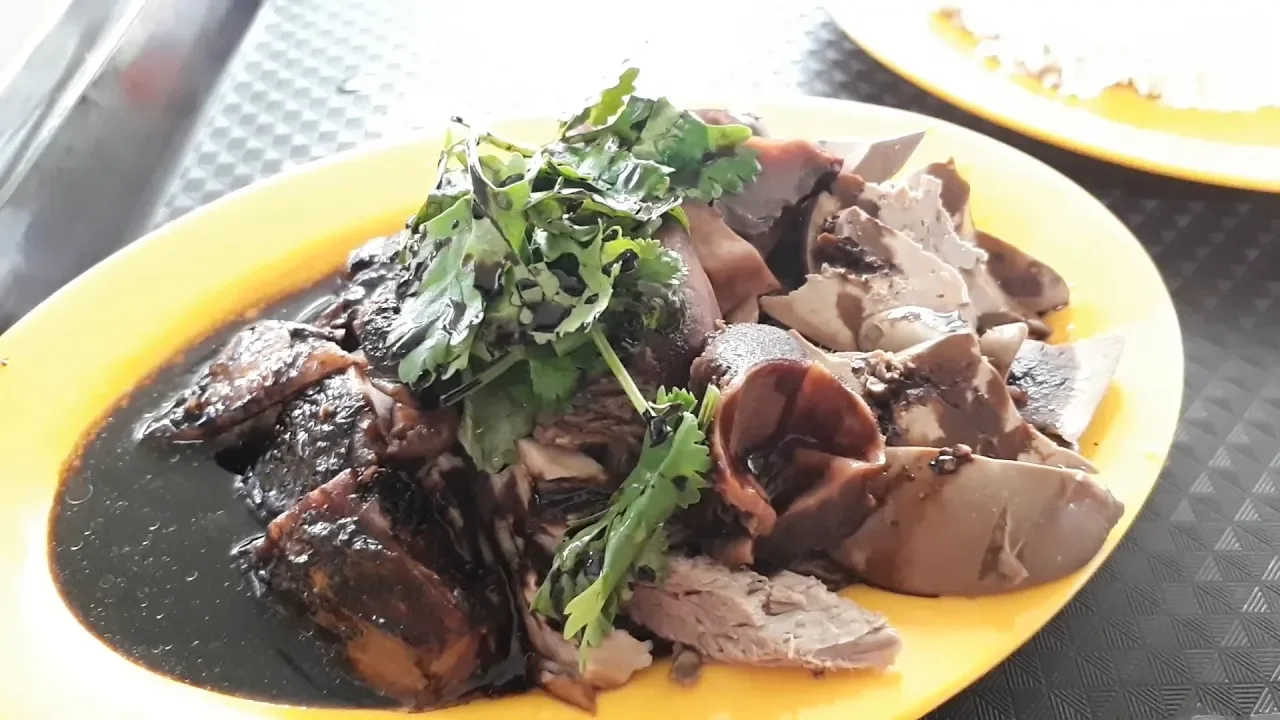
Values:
[(326, 430), (956, 523), (261, 367), (373, 558), (744, 618), (944, 392), (1064, 384)]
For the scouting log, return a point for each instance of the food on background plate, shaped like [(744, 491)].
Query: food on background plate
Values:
[(1100, 44), (656, 386)]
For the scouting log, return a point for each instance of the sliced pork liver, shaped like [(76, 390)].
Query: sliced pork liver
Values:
[(945, 393), (743, 618), (961, 524), (1064, 384), (864, 269)]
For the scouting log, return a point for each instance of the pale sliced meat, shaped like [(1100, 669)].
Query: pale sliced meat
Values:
[(866, 269), (873, 160), (943, 393), (743, 618), (1034, 285), (962, 524)]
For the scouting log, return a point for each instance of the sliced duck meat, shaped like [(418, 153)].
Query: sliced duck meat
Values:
[(944, 393), (341, 423), (564, 486), (599, 421), (866, 269), (873, 160), (261, 367), (367, 557), (737, 271), (527, 528), (715, 116), (792, 449), (744, 618), (791, 172), (1033, 285), (1064, 384), (962, 524)]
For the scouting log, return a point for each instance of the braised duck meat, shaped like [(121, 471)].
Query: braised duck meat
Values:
[(532, 504), (744, 618), (261, 367), (419, 613), (791, 172), (343, 422)]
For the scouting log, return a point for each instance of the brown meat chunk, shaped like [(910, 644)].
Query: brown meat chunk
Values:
[(261, 367)]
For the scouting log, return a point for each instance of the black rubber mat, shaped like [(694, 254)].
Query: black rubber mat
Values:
[(1184, 620)]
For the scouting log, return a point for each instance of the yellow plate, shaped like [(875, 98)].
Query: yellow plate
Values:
[(1236, 149), (85, 347)]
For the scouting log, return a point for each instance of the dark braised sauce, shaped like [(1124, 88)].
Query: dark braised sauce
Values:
[(141, 551)]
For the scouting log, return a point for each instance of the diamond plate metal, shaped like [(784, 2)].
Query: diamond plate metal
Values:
[(1184, 620)]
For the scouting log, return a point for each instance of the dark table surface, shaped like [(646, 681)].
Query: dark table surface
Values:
[(1184, 619)]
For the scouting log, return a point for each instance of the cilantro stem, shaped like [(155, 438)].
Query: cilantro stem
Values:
[(486, 376), (624, 378)]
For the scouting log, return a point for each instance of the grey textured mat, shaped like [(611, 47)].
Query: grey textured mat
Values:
[(1184, 620)]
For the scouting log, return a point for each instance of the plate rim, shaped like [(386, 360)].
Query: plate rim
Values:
[(901, 37), (217, 703)]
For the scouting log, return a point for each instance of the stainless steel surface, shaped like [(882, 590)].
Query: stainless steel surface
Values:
[(92, 162), (40, 87)]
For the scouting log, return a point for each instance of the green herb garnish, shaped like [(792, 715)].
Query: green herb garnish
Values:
[(596, 564), (522, 260), (521, 252)]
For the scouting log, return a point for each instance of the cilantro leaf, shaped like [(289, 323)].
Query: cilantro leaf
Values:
[(596, 566), (494, 417), (436, 327), (553, 378), (611, 101)]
